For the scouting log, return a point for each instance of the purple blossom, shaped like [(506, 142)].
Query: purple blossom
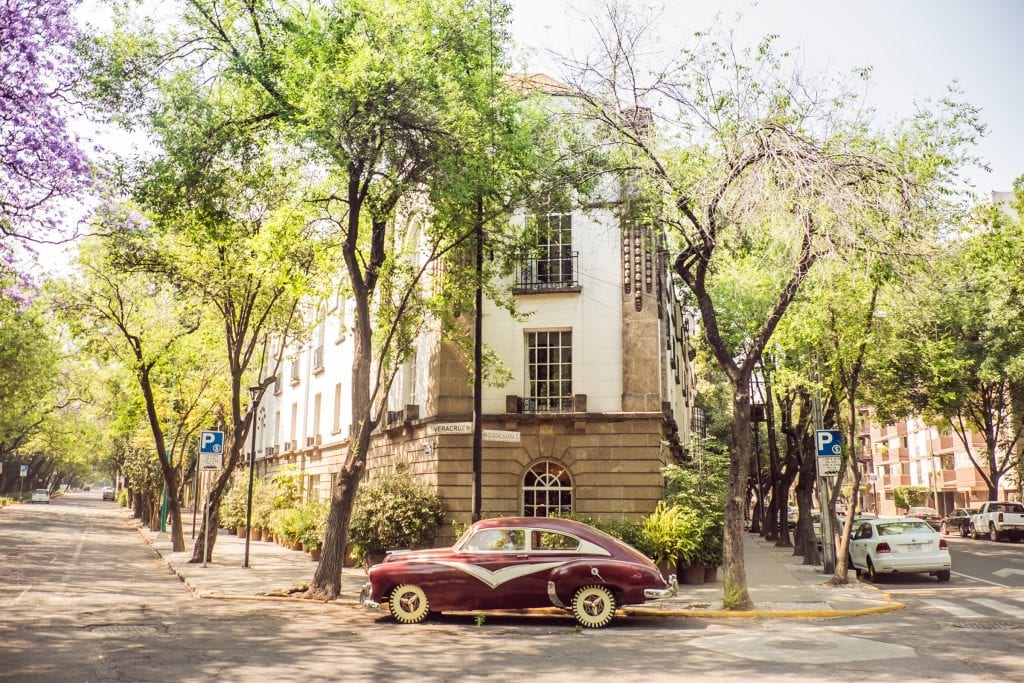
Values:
[(41, 162)]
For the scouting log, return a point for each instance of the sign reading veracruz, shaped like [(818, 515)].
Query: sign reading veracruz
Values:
[(448, 428)]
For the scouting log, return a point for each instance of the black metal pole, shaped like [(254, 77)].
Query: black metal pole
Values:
[(253, 391), (478, 362)]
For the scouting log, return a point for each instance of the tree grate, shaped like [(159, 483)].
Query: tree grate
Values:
[(987, 625)]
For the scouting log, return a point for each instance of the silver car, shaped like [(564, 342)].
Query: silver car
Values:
[(899, 545)]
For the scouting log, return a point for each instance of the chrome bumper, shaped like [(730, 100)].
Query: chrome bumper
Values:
[(364, 597), (660, 593)]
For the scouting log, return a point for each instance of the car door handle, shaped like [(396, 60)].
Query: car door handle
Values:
[(522, 557)]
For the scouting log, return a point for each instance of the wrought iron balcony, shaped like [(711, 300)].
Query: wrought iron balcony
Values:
[(546, 273), (547, 405)]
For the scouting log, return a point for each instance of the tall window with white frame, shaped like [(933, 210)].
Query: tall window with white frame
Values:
[(548, 371), (552, 262)]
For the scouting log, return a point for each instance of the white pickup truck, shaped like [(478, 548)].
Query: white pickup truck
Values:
[(999, 519)]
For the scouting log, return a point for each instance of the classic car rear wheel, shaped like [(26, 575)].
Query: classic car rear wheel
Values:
[(593, 606), (408, 604)]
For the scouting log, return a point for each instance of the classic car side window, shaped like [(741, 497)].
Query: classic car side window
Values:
[(497, 539), (864, 531), (552, 540)]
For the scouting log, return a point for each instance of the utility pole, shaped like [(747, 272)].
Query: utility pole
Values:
[(478, 355), (828, 541)]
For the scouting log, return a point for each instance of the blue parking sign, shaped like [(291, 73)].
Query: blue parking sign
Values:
[(211, 442), (828, 442)]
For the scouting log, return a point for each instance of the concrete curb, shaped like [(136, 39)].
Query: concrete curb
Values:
[(890, 606)]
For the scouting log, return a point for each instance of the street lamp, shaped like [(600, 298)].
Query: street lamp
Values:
[(253, 395)]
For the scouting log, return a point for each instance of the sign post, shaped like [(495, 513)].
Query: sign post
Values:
[(211, 458), (829, 448)]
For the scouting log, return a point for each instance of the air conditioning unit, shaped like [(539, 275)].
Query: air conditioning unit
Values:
[(289, 446), (513, 404), (309, 442), (412, 412), (269, 450), (316, 440), (579, 403)]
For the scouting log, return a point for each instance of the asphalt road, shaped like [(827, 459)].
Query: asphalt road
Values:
[(82, 598)]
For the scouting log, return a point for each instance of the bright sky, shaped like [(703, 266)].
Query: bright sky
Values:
[(916, 49)]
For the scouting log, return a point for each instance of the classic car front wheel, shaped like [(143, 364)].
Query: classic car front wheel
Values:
[(593, 606), (408, 604)]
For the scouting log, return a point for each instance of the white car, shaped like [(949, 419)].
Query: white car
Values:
[(40, 496), (898, 545)]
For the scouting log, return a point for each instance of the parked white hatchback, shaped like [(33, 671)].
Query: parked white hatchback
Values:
[(899, 545)]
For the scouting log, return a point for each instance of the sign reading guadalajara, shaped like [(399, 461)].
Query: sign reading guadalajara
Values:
[(446, 428)]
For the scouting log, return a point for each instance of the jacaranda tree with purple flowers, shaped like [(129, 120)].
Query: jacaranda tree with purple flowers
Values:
[(42, 161)]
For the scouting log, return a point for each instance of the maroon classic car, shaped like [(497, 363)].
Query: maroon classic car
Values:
[(518, 562)]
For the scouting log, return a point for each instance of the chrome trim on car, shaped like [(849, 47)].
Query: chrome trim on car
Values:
[(364, 597), (660, 593), (553, 595)]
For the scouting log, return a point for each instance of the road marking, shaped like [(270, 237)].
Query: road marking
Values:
[(975, 578), (953, 608), (1003, 607), (1003, 573)]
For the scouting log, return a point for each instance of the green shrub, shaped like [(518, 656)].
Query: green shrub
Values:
[(629, 531), (286, 488), (286, 524), (313, 524), (672, 533), (702, 486), (394, 512), (231, 513), (264, 502)]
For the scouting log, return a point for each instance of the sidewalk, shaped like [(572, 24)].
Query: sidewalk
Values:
[(778, 584)]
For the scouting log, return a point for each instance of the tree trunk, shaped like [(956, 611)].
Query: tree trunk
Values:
[(734, 569)]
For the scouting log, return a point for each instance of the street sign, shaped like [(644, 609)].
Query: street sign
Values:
[(829, 445), (828, 442), (829, 466), (24, 471), (211, 450), (444, 428)]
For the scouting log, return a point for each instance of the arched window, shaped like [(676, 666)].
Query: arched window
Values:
[(547, 488)]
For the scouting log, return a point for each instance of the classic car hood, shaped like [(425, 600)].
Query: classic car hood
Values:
[(407, 555)]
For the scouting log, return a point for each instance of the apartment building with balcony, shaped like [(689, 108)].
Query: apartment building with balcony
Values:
[(910, 453), (601, 392)]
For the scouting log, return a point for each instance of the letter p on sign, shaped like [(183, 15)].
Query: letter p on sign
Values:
[(828, 442)]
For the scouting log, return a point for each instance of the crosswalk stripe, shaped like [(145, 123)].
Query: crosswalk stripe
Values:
[(1005, 608), (953, 608)]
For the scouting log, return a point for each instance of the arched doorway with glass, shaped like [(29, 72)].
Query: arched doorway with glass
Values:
[(547, 489)]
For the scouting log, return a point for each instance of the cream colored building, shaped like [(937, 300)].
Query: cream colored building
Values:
[(600, 398)]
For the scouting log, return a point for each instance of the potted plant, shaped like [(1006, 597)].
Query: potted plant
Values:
[(702, 486), (394, 512), (671, 535)]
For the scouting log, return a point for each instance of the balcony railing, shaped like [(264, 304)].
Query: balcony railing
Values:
[(547, 405), (539, 274)]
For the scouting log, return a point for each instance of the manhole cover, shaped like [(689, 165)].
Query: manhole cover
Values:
[(124, 629), (986, 625)]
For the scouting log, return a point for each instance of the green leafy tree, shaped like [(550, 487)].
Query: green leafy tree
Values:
[(755, 164), (959, 360)]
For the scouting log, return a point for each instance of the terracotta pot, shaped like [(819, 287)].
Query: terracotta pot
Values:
[(267, 535), (314, 554), (255, 534), (296, 545), (693, 574), (240, 532), (666, 567), (710, 574)]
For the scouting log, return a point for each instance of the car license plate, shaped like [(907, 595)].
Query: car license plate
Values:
[(913, 547)]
